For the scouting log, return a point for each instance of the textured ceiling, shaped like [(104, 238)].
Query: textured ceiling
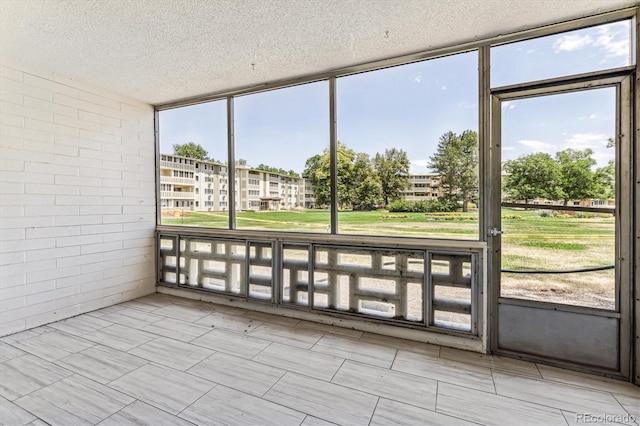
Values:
[(162, 50)]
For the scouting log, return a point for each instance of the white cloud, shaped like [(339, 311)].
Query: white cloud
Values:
[(607, 34), (586, 140), (530, 51), (508, 105), (508, 148), (570, 43), (423, 163), (537, 145), (419, 166), (613, 38), (443, 88), (592, 116), (418, 79)]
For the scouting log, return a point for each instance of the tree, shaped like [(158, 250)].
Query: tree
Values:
[(577, 180), (355, 178), (241, 161), (456, 161), (392, 169), (316, 171), (605, 181), (532, 176), (190, 150), (366, 188)]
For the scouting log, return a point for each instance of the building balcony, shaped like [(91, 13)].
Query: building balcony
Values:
[(177, 166), (177, 180), (176, 195)]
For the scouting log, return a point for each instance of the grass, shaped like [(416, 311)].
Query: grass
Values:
[(529, 242)]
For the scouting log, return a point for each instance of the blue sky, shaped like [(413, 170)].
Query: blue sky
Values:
[(409, 107)]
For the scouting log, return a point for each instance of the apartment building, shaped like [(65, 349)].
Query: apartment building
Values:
[(190, 184), (423, 187)]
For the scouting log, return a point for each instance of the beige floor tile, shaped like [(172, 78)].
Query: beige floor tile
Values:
[(104, 311), (356, 350), (228, 310), (38, 422), (229, 322), (12, 415), (8, 352), (28, 334), (389, 413), (23, 375), (54, 345), (557, 395), (101, 363), (291, 336), (272, 319), (324, 400), (119, 337), (225, 406), (238, 373), (184, 313), (330, 329), (402, 344), (165, 388), (74, 401), (387, 383), (631, 404), (232, 343), (302, 361), (578, 419), (140, 305), (491, 409), (444, 370), (131, 318), (314, 421), (509, 365), (171, 353), (80, 325), (588, 381), (141, 414), (176, 329)]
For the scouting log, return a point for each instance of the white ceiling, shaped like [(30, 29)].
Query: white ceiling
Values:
[(158, 51)]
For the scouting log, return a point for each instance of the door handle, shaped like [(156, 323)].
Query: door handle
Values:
[(494, 232)]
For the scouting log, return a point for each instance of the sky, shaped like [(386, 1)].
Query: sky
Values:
[(410, 106)]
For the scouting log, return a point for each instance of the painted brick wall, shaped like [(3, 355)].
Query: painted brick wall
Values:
[(77, 198)]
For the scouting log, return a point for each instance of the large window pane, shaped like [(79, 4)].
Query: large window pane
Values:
[(574, 52), (280, 137), (558, 155), (408, 149), (193, 165)]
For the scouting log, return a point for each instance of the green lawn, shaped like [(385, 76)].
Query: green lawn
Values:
[(530, 241)]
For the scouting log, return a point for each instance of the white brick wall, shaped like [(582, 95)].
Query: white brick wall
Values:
[(77, 198)]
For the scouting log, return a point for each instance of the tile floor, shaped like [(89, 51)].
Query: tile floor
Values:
[(162, 360)]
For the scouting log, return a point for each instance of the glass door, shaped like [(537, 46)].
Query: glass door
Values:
[(556, 223)]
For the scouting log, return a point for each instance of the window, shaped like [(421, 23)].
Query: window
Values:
[(281, 135), (197, 130), (390, 125), (575, 52)]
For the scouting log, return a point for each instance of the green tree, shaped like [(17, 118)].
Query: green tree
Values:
[(456, 161), (392, 169), (605, 181), (241, 161), (532, 176), (577, 180), (355, 178), (365, 189), (190, 150)]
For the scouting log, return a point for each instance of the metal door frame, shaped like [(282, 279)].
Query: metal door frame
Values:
[(623, 81)]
